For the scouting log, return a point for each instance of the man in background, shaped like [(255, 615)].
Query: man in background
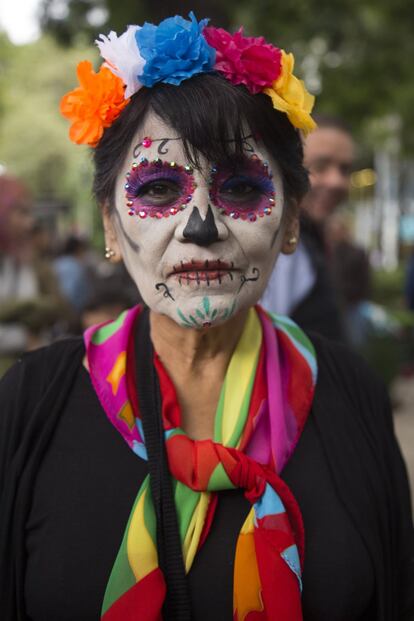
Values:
[(300, 285)]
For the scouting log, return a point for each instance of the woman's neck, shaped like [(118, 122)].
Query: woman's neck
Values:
[(191, 348), (196, 361)]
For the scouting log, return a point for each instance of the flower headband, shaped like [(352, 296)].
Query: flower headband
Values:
[(173, 52)]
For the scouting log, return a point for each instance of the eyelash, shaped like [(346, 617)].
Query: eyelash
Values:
[(145, 175), (259, 178)]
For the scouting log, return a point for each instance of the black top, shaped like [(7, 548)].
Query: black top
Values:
[(85, 489), (68, 480), (320, 310)]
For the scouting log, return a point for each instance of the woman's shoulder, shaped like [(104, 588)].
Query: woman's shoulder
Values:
[(36, 370), (344, 377)]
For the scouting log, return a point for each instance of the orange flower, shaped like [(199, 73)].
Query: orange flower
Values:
[(94, 105)]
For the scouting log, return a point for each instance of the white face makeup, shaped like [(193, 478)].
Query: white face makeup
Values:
[(200, 245)]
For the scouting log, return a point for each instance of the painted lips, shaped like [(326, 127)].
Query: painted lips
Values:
[(202, 271)]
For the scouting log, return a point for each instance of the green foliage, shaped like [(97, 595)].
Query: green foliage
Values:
[(33, 135), (357, 54)]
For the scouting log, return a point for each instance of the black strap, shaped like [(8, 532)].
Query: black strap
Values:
[(177, 605)]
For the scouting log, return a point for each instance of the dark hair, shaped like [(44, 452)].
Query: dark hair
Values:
[(212, 116)]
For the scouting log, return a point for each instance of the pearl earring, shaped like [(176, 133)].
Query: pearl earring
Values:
[(109, 253)]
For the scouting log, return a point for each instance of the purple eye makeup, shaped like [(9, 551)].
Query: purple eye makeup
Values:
[(246, 191), (158, 189)]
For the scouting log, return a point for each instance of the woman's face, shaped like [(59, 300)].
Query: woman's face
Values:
[(199, 244)]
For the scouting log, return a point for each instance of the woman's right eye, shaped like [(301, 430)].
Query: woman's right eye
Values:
[(160, 192)]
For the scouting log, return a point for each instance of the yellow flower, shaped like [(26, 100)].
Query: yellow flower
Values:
[(289, 95)]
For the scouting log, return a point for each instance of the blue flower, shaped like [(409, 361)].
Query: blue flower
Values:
[(174, 51)]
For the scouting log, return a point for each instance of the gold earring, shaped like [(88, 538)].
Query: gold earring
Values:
[(109, 253), (293, 241)]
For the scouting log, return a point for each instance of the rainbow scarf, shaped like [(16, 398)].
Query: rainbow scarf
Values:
[(265, 399)]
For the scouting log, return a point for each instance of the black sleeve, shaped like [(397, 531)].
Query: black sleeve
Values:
[(402, 512), (367, 402), (31, 397), (19, 387)]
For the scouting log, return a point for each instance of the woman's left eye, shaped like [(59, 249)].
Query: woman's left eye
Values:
[(240, 190)]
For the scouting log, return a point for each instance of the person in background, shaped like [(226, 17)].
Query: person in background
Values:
[(301, 284), (351, 272), (73, 272), (30, 301)]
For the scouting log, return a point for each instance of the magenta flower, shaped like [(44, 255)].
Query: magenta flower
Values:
[(244, 60)]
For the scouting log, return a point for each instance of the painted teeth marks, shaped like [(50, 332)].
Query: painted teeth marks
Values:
[(158, 189), (245, 193), (202, 272)]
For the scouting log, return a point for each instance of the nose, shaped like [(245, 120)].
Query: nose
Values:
[(199, 231), (335, 179)]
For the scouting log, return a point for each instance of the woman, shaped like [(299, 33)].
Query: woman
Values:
[(198, 176)]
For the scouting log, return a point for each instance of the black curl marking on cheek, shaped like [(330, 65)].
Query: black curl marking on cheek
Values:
[(133, 245), (199, 231), (253, 278), (166, 291)]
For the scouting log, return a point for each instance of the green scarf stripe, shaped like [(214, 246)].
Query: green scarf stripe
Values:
[(122, 577), (187, 499), (104, 333), (150, 520), (294, 331), (244, 412), (218, 429), (219, 479)]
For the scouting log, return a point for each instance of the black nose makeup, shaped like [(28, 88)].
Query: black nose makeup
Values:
[(199, 231)]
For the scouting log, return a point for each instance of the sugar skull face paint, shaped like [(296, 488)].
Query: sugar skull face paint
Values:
[(158, 189), (200, 265), (245, 191)]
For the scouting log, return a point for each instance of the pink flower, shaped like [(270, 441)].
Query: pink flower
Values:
[(244, 60)]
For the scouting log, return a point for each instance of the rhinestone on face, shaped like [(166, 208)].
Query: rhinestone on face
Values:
[(158, 215), (142, 214), (252, 217), (235, 215), (135, 165), (188, 169), (173, 211), (157, 161), (268, 210), (271, 201), (147, 142), (144, 161), (182, 207), (131, 212), (127, 186), (173, 164)]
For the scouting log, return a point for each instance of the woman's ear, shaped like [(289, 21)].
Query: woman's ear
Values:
[(291, 234), (112, 247)]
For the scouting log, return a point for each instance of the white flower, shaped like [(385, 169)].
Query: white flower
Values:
[(122, 57)]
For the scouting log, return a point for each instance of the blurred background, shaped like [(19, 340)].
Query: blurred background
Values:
[(355, 56)]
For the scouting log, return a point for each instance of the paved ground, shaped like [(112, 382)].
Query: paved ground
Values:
[(403, 397)]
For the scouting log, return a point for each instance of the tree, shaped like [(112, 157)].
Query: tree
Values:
[(33, 136)]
